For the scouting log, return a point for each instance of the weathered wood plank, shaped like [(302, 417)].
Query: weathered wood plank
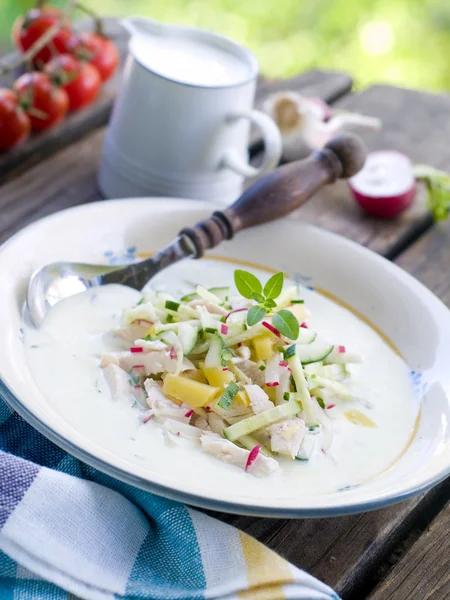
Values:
[(345, 552), (424, 572)]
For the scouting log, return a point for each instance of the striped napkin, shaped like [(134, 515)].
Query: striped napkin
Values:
[(68, 531)]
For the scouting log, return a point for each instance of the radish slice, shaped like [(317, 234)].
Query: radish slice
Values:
[(252, 456), (386, 186)]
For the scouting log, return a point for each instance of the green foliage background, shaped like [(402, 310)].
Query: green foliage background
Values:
[(405, 42)]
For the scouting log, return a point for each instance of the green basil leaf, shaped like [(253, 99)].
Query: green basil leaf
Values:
[(257, 297), (247, 284), (274, 286), (255, 315), (270, 303), (228, 396), (286, 324)]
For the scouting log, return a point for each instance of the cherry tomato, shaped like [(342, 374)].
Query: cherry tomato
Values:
[(44, 102), (81, 81), (26, 30), (14, 122), (96, 50)]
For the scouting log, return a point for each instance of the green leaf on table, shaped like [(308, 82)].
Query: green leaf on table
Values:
[(255, 315), (226, 399), (286, 324), (274, 286), (438, 186), (247, 284)]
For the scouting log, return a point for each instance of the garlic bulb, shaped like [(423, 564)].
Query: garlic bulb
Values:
[(307, 124)]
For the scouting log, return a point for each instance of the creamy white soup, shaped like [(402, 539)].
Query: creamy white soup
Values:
[(371, 427)]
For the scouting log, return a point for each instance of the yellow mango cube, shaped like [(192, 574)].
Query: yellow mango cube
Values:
[(196, 375), (193, 393), (271, 391), (218, 377), (242, 398), (263, 345)]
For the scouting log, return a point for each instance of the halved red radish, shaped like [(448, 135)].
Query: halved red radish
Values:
[(385, 186)]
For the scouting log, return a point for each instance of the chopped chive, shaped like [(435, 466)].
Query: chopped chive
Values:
[(169, 319), (141, 301), (210, 330), (321, 403), (262, 367), (290, 351), (223, 319), (170, 305), (297, 301), (313, 376), (293, 384), (201, 334), (148, 337), (228, 396), (286, 396)]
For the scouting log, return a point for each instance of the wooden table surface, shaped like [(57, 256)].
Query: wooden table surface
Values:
[(397, 553)]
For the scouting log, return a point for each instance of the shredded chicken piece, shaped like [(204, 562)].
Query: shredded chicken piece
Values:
[(151, 363), (118, 382), (213, 309), (161, 406), (145, 312), (200, 422), (229, 453), (259, 400), (251, 369), (286, 436), (244, 352), (132, 331), (216, 423)]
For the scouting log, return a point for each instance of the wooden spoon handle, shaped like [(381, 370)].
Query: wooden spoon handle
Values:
[(280, 192)]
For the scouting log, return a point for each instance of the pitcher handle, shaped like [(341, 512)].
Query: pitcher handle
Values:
[(272, 144)]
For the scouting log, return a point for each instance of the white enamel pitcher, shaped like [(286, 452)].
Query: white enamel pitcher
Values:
[(181, 123)]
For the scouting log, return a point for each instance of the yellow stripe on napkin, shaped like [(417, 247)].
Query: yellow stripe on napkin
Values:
[(266, 571)]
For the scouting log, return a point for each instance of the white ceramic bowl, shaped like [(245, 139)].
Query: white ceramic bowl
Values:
[(414, 319)]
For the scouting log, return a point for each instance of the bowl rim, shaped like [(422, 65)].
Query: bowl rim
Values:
[(198, 499)]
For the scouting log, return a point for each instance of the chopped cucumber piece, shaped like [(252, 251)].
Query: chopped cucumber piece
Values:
[(220, 292), (314, 352), (335, 372), (226, 399), (263, 419), (207, 295), (171, 305), (335, 387), (190, 297), (214, 357), (306, 336), (188, 336), (342, 357), (207, 320), (302, 389), (307, 448), (250, 442)]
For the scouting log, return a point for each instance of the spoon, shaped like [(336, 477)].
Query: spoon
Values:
[(273, 196)]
